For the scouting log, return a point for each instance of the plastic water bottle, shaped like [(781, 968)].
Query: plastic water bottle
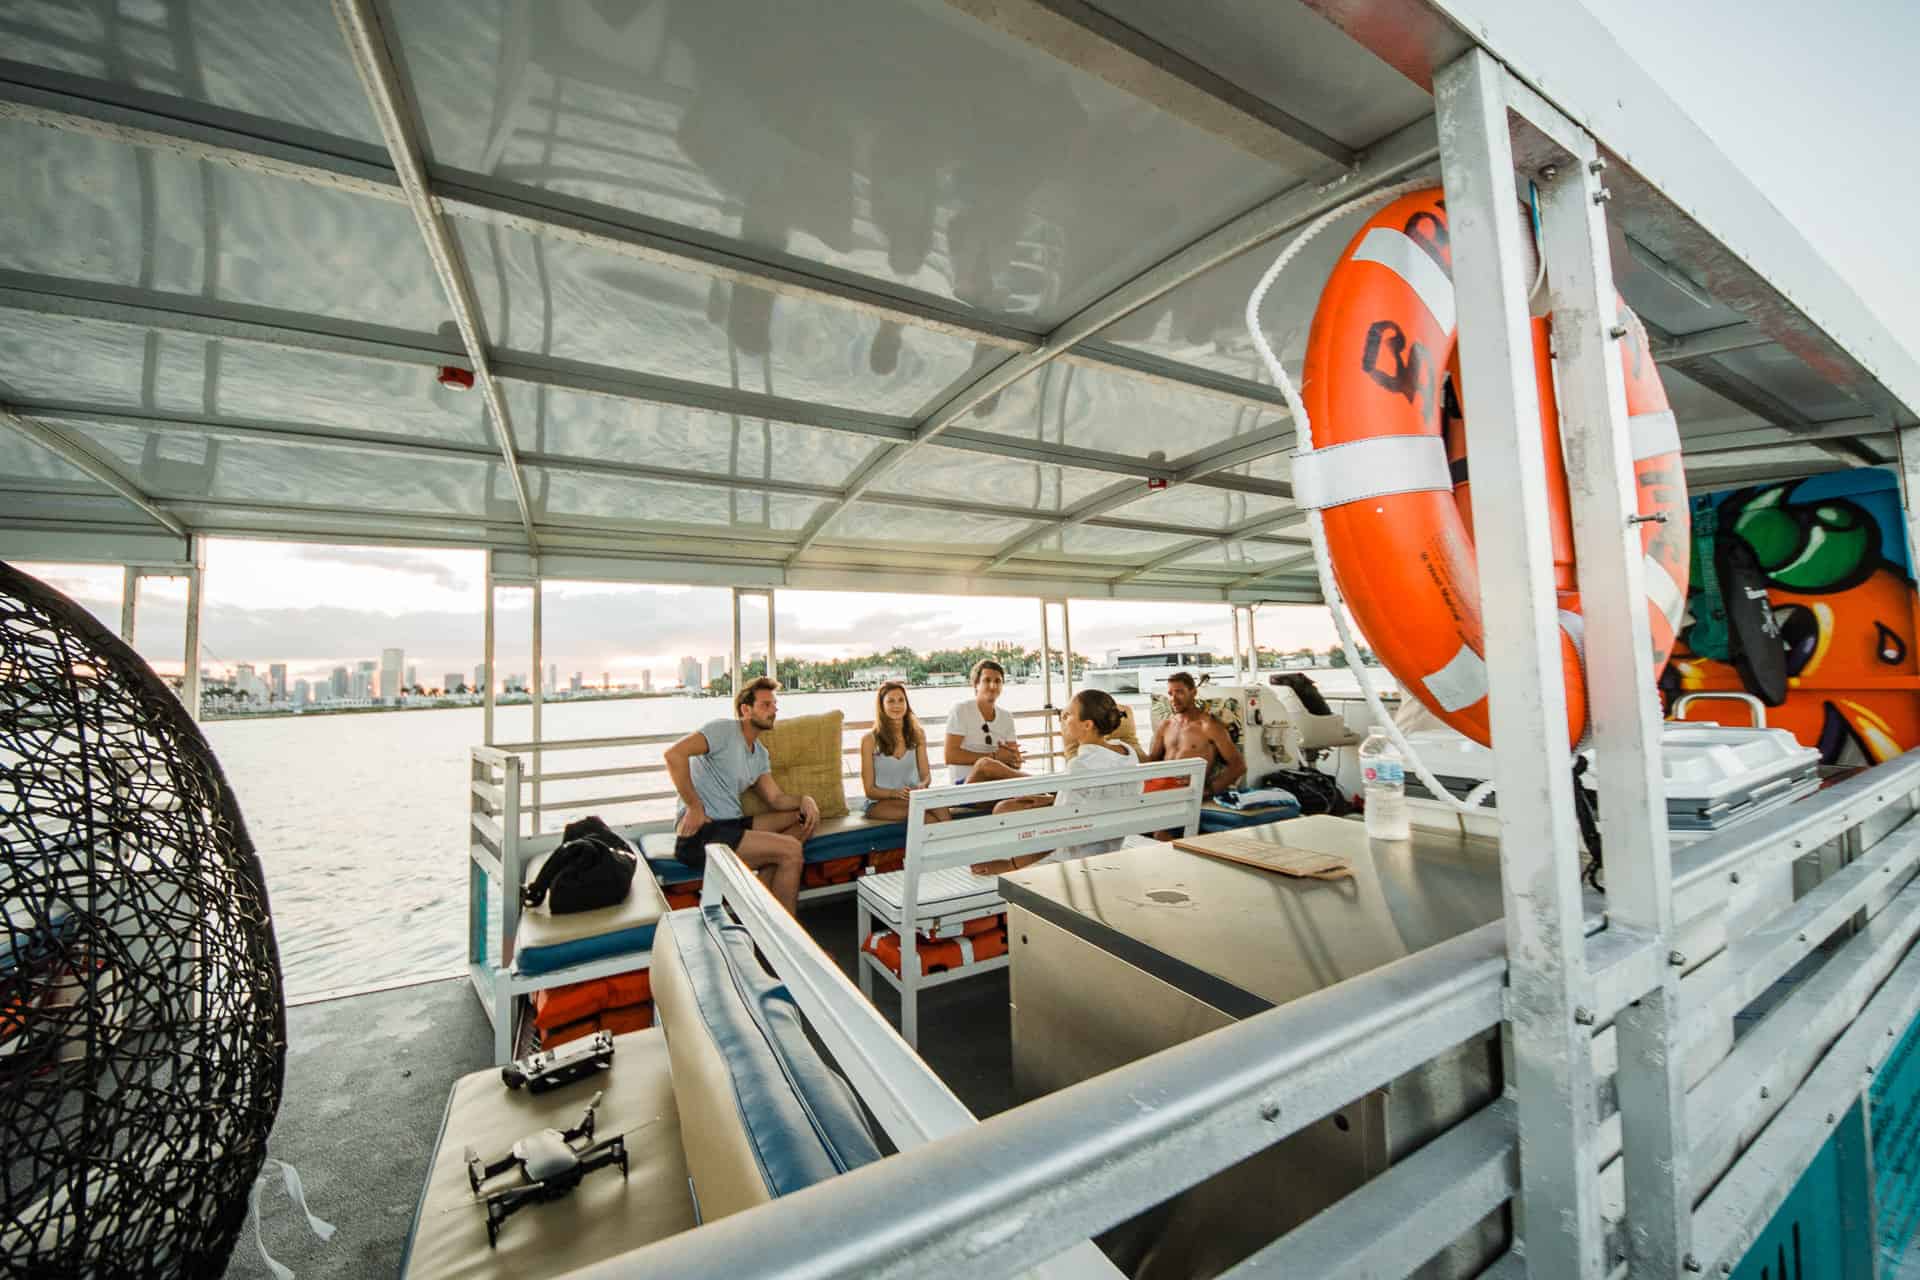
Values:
[(1385, 777)]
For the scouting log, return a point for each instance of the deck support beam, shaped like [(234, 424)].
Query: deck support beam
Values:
[(1539, 843)]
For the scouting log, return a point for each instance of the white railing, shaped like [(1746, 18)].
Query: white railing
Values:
[(1021, 1187), (534, 772)]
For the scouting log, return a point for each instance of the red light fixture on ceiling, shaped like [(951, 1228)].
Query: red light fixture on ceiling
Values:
[(456, 377), (1156, 484)]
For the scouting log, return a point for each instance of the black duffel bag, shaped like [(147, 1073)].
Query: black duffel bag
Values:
[(592, 868)]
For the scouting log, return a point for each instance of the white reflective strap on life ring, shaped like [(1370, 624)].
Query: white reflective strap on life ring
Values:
[(1371, 468), (1398, 253), (966, 949), (1663, 593), (1461, 683), (1576, 628), (1653, 434)]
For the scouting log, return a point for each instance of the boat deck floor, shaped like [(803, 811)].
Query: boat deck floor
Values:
[(368, 1077)]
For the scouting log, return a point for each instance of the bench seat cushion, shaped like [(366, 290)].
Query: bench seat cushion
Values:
[(762, 1114), (545, 942), (602, 1217), (846, 837)]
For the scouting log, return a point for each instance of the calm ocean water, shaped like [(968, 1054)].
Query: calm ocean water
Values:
[(360, 820)]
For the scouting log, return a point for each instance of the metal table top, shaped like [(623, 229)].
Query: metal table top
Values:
[(1244, 939)]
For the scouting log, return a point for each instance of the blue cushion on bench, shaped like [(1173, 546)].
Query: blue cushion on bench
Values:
[(1220, 818), (800, 1118), (842, 838)]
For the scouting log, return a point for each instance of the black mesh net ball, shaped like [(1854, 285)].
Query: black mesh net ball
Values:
[(142, 1032)]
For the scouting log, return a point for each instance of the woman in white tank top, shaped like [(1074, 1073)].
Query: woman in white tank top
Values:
[(893, 757)]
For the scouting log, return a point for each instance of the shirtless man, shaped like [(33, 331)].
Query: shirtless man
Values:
[(1192, 733)]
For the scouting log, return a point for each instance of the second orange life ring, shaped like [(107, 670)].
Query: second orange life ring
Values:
[(1387, 470)]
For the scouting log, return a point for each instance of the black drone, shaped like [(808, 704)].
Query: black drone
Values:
[(551, 1165)]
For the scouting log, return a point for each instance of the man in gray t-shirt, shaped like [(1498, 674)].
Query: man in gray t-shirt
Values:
[(713, 767)]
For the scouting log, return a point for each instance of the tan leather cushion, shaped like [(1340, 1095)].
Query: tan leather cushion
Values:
[(603, 1217), (805, 752), (726, 1174)]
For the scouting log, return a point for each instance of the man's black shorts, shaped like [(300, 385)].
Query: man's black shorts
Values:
[(692, 850)]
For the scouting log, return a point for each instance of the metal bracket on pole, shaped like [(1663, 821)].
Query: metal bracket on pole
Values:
[(1539, 844)]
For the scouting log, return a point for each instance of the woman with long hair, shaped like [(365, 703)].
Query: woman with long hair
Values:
[(893, 757)]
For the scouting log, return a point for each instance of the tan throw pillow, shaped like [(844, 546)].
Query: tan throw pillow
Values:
[(805, 752)]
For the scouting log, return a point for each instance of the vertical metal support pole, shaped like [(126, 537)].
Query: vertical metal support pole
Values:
[(1253, 650), (773, 660), (1907, 444), (1539, 848), (1233, 617), (196, 596), (486, 700), (735, 669), (1066, 643), (1046, 677), (1622, 702), (539, 687), (129, 602)]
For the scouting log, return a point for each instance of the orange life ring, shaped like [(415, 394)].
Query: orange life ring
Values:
[(1387, 470)]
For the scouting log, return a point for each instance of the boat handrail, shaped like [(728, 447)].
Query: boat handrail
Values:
[(665, 739), (1023, 1186)]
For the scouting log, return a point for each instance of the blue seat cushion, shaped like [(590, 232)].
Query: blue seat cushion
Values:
[(801, 1120), (545, 942), (1218, 818), (837, 838)]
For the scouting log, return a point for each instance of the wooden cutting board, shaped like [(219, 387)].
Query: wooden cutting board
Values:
[(1252, 851)]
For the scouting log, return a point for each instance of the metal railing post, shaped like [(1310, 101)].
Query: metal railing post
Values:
[(129, 602), (735, 669), (539, 688), (773, 661), (196, 598), (487, 644), (1539, 847), (1046, 673), (1066, 643), (1589, 332)]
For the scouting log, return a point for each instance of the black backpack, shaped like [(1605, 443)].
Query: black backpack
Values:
[(1316, 792), (592, 868)]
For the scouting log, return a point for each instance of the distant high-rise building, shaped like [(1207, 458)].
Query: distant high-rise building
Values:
[(515, 684), (341, 683), (573, 686), (277, 681), (413, 676), (690, 672), (646, 680), (363, 680), (452, 683), (392, 666), (301, 692), (246, 683), (480, 678), (716, 667), (553, 677)]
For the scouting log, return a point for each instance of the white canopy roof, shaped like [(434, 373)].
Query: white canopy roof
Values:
[(889, 293)]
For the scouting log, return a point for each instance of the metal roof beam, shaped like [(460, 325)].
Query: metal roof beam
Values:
[(77, 454), (371, 57), (259, 145), (1710, 342), (1771, 409), (185, 313), (317, 436), (1082, 36), (1412, 149), (1244, 532)]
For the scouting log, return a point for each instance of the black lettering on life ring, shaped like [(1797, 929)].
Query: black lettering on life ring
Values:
[(1429, 231), (1411, 373)]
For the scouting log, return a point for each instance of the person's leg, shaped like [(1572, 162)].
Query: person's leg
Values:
[(1000, 866), (992, 770), (780, 856), (889, 811)]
